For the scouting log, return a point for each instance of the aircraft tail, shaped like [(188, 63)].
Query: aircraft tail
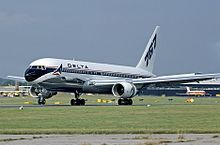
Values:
[(147, 60)]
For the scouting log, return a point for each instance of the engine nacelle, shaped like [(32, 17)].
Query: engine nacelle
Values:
[(34, 91), (124, 90)]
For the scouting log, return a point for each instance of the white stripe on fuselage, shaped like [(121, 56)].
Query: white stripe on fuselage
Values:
[(71, 64)]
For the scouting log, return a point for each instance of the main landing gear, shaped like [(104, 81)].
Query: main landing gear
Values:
[(125, 101), (77, 101)]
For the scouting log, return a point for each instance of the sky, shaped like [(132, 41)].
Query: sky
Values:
[(111, 31)]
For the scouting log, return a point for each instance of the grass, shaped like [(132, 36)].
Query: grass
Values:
[(163, 116)]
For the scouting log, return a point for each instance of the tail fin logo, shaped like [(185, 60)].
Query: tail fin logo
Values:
[(58, 71), (150, 52)]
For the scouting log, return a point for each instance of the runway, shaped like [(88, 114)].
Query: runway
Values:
[(30, 106), (114, 139), (45, 106), (92, 105)]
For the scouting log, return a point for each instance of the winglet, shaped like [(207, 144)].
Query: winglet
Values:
[(147, 60)]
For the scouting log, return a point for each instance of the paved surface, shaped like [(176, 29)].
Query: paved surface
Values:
[(37, 106), (121, 139)]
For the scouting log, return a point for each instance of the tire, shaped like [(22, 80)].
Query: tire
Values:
[(125, 101), (41, 101), (82, 102), (77, 102), (130, 101), (72, 102), (119, 101)]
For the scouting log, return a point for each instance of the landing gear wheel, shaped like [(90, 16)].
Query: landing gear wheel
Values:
[(75, 102), (130, 101), (78, 102), (41, 101), (72, 102), (125, 101), (119, 101), (82, 102)]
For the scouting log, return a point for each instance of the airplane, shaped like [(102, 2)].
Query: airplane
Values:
[(49, 76), (195, 93)]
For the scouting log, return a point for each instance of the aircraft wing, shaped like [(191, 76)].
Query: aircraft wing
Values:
[(176, 79), (163, 80), (17, 78)]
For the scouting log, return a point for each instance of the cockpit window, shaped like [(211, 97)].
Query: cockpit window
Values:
[(41, 67), (33, 67)]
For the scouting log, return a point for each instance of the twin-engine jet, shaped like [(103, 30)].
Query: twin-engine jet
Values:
[(49, 76)]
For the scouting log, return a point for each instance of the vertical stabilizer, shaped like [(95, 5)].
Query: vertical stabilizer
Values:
[(147, 60)]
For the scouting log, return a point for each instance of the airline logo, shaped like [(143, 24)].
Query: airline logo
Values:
[(151, 50), (58, 71), (79, 66)]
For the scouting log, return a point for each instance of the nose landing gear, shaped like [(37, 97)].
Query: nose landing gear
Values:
[(41, 99)]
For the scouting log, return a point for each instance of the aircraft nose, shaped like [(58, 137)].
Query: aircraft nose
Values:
[(32, 74), (29, 75)]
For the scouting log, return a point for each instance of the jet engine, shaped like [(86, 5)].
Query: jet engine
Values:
[(35, 91), (124, 90)]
